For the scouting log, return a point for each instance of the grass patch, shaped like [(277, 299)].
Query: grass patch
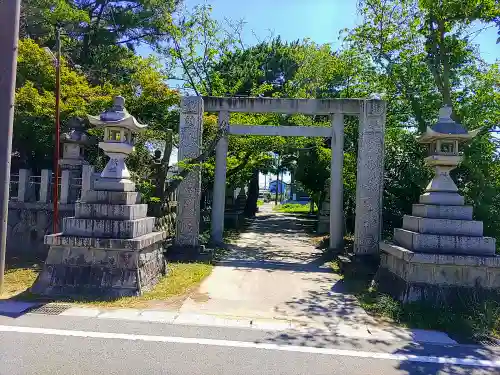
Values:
[(20, 273), (260, 202), (469, 319), (18, 280), (180, 279), (293, 208)]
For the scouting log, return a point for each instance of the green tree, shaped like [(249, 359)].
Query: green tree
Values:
[(148, 98), (425, 58), (313, 171), (98, 35)]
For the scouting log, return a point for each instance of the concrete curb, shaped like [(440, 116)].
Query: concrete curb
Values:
[(335, 329), (172, 317)]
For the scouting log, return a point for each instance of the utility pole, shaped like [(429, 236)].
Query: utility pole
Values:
[(57, 152), (9, 36)]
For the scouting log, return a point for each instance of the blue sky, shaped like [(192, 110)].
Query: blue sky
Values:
[(318, 20)]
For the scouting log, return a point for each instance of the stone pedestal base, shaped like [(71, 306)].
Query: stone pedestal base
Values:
[(189, 254), (234, 219), (114, 184), (436, 278), (113, 268)]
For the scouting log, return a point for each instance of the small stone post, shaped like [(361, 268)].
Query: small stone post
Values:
[(87, 178), (370, 177), (23, 185), (45, 185), (188, 209), (65, 182), (324, 211)]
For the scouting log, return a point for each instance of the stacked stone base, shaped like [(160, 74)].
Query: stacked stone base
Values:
[(436, 278), (439, 256), (108, 249)]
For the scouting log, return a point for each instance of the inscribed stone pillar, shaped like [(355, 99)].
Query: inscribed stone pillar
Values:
[(190, 136), (370, 177), (219, 194)]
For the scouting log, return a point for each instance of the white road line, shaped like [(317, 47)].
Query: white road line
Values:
[(494, 363)]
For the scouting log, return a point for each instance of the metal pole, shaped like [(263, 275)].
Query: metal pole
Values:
[(55, 198), (9, 35)]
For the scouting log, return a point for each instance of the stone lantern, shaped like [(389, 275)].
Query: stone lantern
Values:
[(110, 247), (440, 253), (119, 129), (443, 141), (74, 142), (73, 163)]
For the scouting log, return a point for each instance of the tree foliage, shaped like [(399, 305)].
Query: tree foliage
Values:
[(418, 54)]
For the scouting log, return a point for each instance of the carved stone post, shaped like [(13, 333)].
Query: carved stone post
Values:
[(370, 177), (188, 209)]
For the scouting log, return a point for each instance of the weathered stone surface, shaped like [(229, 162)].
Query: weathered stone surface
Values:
[(290, 106), (410, 276), (110, 211), (442, 211), (370, 177), (448, 199), (29, 222), (106, 273), (114, 185), (442, 259), (111, 197), (443, 226), (441, 244), (188, 208), (108, 228), (136, 243)]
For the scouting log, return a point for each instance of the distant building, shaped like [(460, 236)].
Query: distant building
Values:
[(282, 187)]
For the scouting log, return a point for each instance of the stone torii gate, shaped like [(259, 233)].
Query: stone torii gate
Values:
[(370, 163)]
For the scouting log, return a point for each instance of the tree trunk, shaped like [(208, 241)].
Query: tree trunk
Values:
[(253, 195), (160, 176)]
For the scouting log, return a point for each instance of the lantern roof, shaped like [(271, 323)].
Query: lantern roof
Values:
[(76, 132), (446, 129), (117, 116)]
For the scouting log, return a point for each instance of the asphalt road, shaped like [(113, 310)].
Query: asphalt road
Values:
[(38, 344)]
